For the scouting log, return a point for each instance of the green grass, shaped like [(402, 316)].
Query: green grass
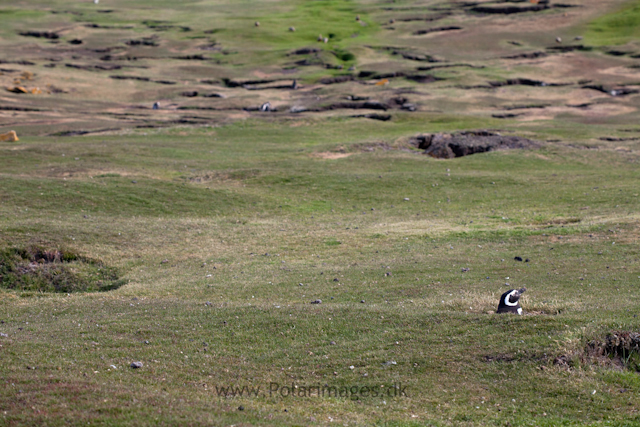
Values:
[(267, 216), (616, 28), (223, 233)]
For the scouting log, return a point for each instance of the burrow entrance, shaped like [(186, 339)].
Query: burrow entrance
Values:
[(40, 269)]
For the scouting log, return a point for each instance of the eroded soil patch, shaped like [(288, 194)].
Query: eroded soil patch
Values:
[(448, 146)]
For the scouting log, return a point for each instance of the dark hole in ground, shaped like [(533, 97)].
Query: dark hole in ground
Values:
[(19, 62), (506, 115), (523, 82), (241, 83), (5, 108), (142, 79), (196, 57), (508, 10), (529, 55), (366, 105), (570, 48), (448, 146), (39, 269), (617, 91), (416, 56), (40, 34), (305, 51), (146, 41), (422, 18), (374, 116), (436, 30)]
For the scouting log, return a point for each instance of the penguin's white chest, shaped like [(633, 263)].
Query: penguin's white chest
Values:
[(520, 311)]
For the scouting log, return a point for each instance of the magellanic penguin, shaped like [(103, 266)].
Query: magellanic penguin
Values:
[(509, 301)]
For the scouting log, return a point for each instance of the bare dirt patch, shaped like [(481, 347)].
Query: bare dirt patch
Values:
[(448, 146)]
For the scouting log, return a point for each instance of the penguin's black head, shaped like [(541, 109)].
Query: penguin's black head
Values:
[(509, 301)]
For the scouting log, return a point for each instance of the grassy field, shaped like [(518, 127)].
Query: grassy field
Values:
[(223, 231)]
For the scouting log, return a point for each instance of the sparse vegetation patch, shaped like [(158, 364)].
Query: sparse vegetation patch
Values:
[(35, 268), (620, 348)]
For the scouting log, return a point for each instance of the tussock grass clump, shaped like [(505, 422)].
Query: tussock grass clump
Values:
[(53, 270), (620, 348)]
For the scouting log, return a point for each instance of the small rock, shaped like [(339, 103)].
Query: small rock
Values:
[(518, 258), (147, 342), (164, 261), (320, 38), (336, 280), (318, 301), (136, 365), (465, 269), (352, 367), (300, 284), (113, 366), (240, 408), (332, 343), (558, 40), (208, 304), (361, 301), (357, 17), (406, 199), (257, 24), (387, 274), (3, 335), (292, 29)]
